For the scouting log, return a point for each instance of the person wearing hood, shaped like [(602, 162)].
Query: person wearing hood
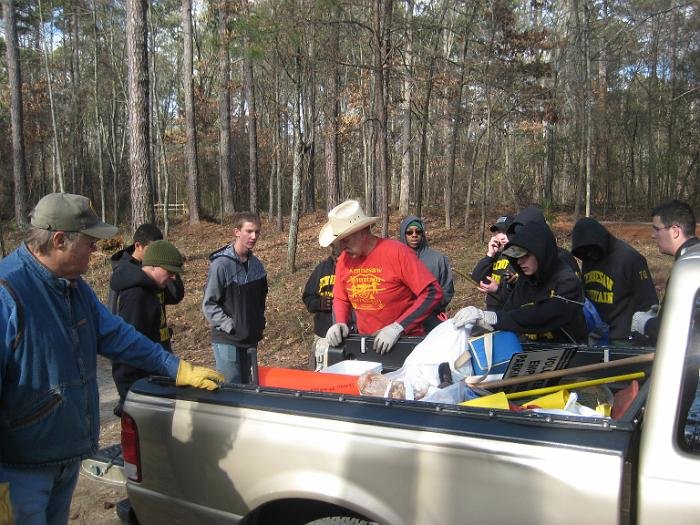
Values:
[(495, 273), (616, 277), (234, 297), (381, 280), (141, 303), (535, 214), (133, 254), (673, 228), (412, 234), (546, 303)]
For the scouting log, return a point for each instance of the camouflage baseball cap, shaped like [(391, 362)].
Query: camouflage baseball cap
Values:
[(70, 213)]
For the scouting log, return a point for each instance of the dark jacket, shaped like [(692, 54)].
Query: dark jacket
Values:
[(174, 290), (320, 284), (616, 277), (135, 298), (234, 298), (546, 306), (436, 262), (651, 329)]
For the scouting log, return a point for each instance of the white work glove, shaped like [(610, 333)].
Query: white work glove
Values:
[(639, 319), (336, 333), (472, 315), (386, 338)]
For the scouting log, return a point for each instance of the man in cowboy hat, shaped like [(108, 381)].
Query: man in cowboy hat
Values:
[(382, 280)]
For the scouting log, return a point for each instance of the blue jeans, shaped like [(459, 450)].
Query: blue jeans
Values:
[(227, 361), (41, 496)]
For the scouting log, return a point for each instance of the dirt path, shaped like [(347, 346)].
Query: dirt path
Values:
[(94, 501)]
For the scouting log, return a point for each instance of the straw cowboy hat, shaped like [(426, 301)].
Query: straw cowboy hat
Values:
[(343, 220)]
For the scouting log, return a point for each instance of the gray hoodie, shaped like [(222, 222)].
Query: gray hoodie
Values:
[(436, 262)]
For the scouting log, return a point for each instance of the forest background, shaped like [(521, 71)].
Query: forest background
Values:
[(183, 112)]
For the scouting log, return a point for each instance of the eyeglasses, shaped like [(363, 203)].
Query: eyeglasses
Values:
[(414, 232), (659, 228)]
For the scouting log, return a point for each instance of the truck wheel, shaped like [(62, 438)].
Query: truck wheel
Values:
[(341, 520)]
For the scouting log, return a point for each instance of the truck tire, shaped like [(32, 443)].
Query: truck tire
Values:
[(341, 520)]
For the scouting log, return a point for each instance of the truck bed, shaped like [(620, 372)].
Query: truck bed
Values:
[(346, 450)]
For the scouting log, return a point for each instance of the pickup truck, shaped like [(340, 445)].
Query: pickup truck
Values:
[(261, 455)]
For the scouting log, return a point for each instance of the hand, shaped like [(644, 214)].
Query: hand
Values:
[(336, 333), (494, 247), (490, 287), (197, 376), (472, 315), (326, 303), (640, 319), (386, 338), (5, 503)]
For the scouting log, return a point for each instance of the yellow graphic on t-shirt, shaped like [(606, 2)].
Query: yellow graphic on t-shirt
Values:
[(363, 285), (600, 296)]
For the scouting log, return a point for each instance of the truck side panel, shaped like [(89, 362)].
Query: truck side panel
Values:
[(215, 463)]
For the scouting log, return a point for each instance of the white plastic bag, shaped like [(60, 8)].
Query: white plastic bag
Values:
[(419, 372)]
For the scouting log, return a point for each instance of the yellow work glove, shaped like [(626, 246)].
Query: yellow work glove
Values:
[(197, 376), (5, 505)]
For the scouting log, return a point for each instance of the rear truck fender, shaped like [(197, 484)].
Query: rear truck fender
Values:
[(328, 490)]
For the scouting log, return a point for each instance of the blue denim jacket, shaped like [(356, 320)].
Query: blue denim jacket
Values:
[(49, 405)]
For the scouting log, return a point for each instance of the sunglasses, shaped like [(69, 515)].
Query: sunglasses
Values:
[(414, 232)]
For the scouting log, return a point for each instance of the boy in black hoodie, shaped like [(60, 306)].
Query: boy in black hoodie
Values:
[(616, 276), (141, 303), (546, 303)]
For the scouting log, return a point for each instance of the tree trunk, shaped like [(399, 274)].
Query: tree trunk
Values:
[(190, 124), (15, 80), (296, 170), (252, 117), (98, 122), (381, 31), (406, 142), (332, 115), (57, 162), (225, 111), (139, 160)]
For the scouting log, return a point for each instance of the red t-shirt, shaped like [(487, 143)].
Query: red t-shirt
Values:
[(389, 285)]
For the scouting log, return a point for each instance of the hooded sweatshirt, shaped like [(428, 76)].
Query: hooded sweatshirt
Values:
[(234, 298), (174, 290), (616, 276), (436, 262), (546, 306), (535, 214)]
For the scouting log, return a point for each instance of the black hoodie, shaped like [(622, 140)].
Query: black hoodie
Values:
[(616, 276), (535, 214), (546, 306), (174, 290), (141, 303)]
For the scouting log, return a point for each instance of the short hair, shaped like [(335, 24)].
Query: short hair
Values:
[(147, 233), (242, 217), (40, 241), (678, 213)]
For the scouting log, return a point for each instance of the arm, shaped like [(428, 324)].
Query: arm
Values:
[(644, 291), (119, 341), (446, 282), (423, 285), (174, 291), (483, 268), (310, 296), (213, 298), (341, 303)]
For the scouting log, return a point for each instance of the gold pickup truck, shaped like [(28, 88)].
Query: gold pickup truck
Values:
[(260, 455)]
